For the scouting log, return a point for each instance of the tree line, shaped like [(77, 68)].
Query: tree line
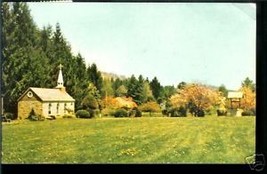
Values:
[(30, 58)]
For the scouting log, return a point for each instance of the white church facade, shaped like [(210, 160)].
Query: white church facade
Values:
[(46, 101)]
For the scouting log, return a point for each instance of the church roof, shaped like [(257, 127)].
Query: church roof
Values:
[(50, 94), (235, 94)]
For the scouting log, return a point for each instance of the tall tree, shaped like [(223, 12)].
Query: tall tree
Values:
[(223, 90), (248, 102), (94, 76), (23, 59), (248, 83), (181, 85), (78, 80), (155, 87), (107, 89), (60, 54)]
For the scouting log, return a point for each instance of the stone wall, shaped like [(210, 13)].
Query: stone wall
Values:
[(25, 107)]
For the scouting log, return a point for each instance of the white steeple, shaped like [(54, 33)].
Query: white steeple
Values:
[(60, 78)]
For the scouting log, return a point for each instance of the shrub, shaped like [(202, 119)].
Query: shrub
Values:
[(165, 112), (200, 113), (247, 113), (120, 113), (68, 116), (132, 113), (221, 112), (138, 113), (83, 114), (9, 115), (89, 102), (178, 112), (150, 107), (108, 111), (91, 112), (33, 117)]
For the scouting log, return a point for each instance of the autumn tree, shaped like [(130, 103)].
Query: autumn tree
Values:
[(248, 102), (150, 107), (195, 97)]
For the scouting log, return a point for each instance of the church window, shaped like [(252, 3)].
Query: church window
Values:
[(49, 108), (57, 107), (65, 107)]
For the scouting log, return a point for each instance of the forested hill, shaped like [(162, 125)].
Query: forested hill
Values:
[(109, 75)]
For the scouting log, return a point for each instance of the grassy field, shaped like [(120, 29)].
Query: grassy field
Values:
[(130, 140)]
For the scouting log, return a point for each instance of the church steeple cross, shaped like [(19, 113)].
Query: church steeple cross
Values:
[(60, 66)]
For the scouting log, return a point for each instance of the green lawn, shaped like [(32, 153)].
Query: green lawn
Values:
[(130, 140)]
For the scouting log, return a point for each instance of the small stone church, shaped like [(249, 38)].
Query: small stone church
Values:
[(46, 101)]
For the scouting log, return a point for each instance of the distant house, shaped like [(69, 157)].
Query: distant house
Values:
[(235, 97), (46, 101)]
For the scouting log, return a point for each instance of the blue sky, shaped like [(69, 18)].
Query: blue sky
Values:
[(212, 43)]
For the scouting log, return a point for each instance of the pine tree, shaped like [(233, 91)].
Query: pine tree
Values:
[(23, 59), (155, 87), (94, 76)]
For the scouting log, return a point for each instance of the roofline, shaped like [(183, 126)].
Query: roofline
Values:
[(71, 100), (26, 92), (58, 100)]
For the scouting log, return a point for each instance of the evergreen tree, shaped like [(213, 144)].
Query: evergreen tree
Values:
[(94, 76), (223, 90), (121, 91), (249, 84), (60, 54), (23, 59), (155, 87)]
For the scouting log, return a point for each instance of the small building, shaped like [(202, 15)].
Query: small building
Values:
[(235, 103), (46, 101), (235, 98)]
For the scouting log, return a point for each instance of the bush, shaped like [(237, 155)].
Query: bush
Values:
[(120, 113), (178, 112), (9, 115), (91, 112), (132, 113), (89, 102), (68, 116), (108, 111), (221, 112), (165, 112), (200, 113), (138, 113), (247, 113), (150, 107), (83, 114), (33, 117)]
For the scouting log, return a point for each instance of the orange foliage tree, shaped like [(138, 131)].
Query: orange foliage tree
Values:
[(248, 102), (150, 107), (196, 97)]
